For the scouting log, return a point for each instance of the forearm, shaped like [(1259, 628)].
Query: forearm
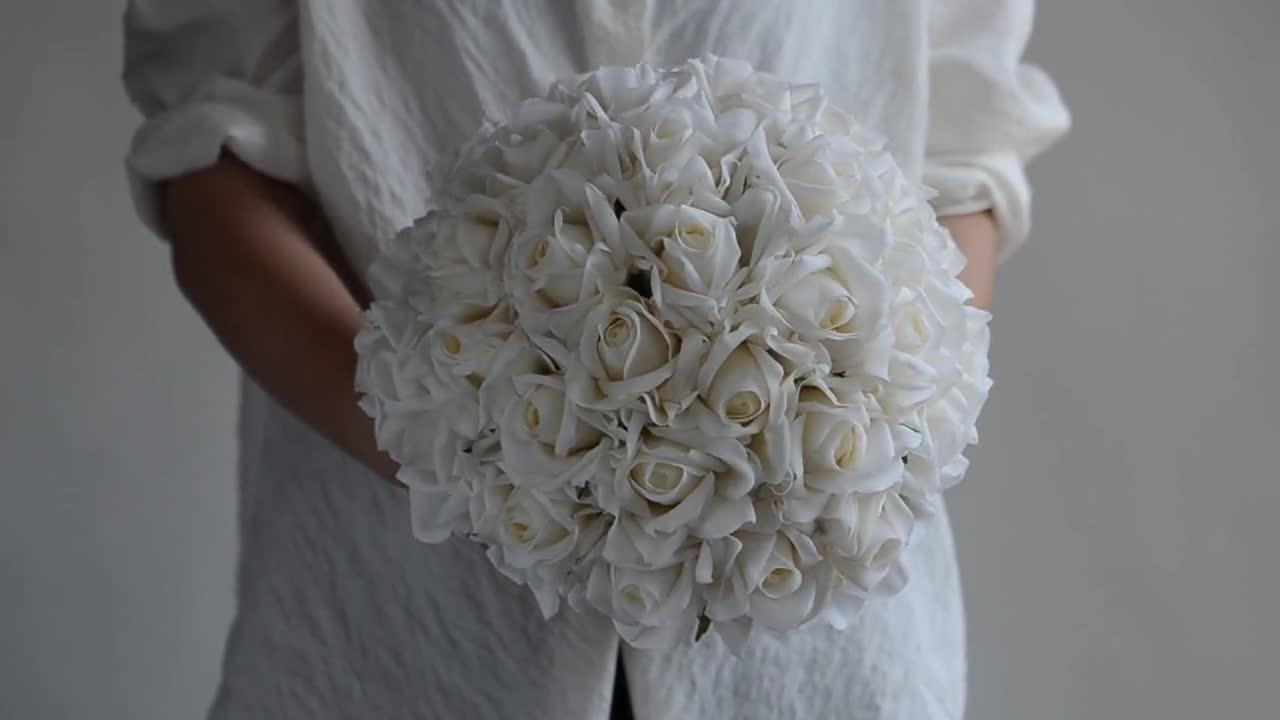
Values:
[(979, 239), (242, 258)]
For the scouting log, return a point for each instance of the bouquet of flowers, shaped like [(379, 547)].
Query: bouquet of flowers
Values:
[(682, 346)]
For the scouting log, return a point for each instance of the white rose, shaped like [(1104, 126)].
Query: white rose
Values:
[(447, 365), (509, 159), (678, 392), (777, 579), (846, 444), (776, 451), (630, 544), (567, 253), (954, 317), (414, 409), (740, 387), (517, 357), (921, 365), (410, 423), (650, 607), (820, 305), (765, 234), (882, 530), (388, 368), (470, 168), (615, 159), (799, 358), (612, 156), (534, 115), (652, 154), (975, 383), (697, 254), (917, 328), (662, 482), (698, 249), (794, 585), (535, 539), (753, 171), (436, 513), (912, 382), (546, 441), (526, 154), (907, 264), (533, 528), (674, 132), (677, 481), (841, 300), (430, 458), (829, 175), (812, 110), (379, 378), (612, 90), (460, 256), (463, 352), (415, 436), (623, 351), (395, 324), (701, 183), (831, 295), (494, 502), (553, 261), (629, 343), (733, 85), (926, 351), (947, 424)]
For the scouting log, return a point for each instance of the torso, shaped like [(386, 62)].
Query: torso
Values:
[(341, 613)]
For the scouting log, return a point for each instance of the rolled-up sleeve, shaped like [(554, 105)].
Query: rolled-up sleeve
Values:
[(209, 75), (989, 112)]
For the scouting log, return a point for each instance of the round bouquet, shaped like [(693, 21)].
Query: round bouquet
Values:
[(682, 346)]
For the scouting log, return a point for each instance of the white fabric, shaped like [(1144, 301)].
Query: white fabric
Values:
[(340, 612)]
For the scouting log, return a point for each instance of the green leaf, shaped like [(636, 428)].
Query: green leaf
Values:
[(704, 624)]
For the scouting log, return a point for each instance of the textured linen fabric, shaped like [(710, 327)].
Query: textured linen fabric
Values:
[(341, 613)]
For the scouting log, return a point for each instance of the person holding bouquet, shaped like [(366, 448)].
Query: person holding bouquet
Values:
[(284, 143)]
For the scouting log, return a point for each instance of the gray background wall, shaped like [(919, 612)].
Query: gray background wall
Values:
[(1117, 533), (1118, 537)]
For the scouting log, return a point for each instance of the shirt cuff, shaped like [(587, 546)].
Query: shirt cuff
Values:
[(995, 182), (261, 128)]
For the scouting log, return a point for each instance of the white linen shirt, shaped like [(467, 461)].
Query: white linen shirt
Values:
[(340, 612)]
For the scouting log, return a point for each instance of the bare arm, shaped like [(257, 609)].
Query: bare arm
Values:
[(242, 257), (979, 240)]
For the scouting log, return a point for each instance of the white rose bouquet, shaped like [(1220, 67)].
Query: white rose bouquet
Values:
[(681, 346)]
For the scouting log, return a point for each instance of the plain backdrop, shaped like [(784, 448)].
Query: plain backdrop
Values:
[(1117, 531)]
